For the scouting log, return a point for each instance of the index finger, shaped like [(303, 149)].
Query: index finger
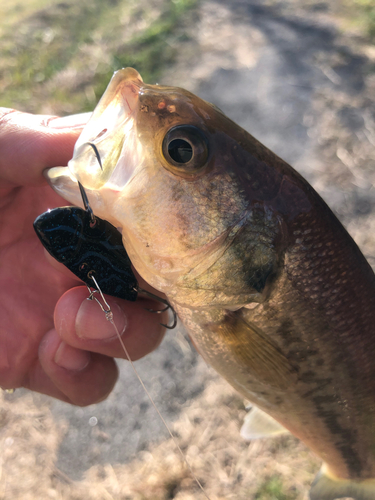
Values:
[(31, 143)]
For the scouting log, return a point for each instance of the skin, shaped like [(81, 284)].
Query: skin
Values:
[(52, 340), (274, 292)]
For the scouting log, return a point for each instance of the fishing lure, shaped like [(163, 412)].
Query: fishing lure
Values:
[(92, 249)]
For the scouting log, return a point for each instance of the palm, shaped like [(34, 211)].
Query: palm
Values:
[(29, 285)]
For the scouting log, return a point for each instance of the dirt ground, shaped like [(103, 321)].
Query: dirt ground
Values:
[(301, 82)]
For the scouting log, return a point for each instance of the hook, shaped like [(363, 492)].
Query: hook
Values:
[(163, 301), (96, 153), (82, 190), (86, 204)]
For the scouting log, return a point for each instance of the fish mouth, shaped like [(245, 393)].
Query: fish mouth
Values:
[(107, 150)]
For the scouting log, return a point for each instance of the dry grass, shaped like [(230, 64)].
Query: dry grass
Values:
[(207, 432)]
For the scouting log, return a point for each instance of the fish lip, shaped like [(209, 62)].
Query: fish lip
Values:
[(64, 184), (54, 174)]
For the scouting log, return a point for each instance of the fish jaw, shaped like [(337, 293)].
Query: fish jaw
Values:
[(66, 185)]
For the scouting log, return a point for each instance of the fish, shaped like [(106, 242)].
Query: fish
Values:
[(273, 291)]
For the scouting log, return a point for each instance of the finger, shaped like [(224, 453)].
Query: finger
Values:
[(82, 324), (72, 375), (31, 143)]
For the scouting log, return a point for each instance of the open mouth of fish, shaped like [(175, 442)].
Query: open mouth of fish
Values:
[(106, 153)]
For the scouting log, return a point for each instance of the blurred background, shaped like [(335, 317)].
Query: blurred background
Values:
[(299, 75)]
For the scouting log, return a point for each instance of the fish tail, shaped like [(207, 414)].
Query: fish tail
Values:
[(327, 486)]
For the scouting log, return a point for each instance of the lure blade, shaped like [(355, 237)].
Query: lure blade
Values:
[(86, 249)]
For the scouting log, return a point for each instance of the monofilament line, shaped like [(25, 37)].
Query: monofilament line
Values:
[(110, 319), (109, 316)]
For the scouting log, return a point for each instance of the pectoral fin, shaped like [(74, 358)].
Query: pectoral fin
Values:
[(328, 487), (255, 352), (258, 424)]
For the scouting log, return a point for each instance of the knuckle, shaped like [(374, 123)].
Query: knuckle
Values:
[(5, 115)]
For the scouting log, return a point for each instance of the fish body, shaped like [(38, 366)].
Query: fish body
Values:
[(274, 292)]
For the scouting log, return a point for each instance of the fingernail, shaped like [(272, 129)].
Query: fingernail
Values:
[(91, 322), (71, 121), (71, 358)]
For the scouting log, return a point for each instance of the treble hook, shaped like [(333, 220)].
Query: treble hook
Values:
[(107, 309), (159, 311), (81, 188)]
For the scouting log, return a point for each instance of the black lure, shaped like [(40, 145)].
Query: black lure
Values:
[(88, 247)]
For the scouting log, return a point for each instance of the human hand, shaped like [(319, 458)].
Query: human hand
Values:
[(53, 340)]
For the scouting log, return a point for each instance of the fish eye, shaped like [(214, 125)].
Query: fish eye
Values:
[(185, 147)]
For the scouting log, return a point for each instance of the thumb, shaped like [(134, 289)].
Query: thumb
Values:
[(31, 143)]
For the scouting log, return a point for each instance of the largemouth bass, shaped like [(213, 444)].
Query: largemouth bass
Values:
[(273, 291)]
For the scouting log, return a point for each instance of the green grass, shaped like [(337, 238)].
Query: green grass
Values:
[(57, 56), (152, 50), (366, 8), (43, 43), (361, 13), (273, 489)]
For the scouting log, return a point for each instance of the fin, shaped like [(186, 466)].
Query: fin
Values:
[(326, 486), (255, 351), (258, 424)]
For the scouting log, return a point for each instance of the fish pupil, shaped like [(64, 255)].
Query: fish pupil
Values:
[(185, 149), (180, 151)]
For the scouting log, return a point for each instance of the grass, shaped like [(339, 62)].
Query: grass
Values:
[(58, 56), (69, 50), (152, 49), (361, 13), (366, 10), (273, 489)]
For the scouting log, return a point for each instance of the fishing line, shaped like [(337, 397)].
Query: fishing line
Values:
[(109, 316)]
